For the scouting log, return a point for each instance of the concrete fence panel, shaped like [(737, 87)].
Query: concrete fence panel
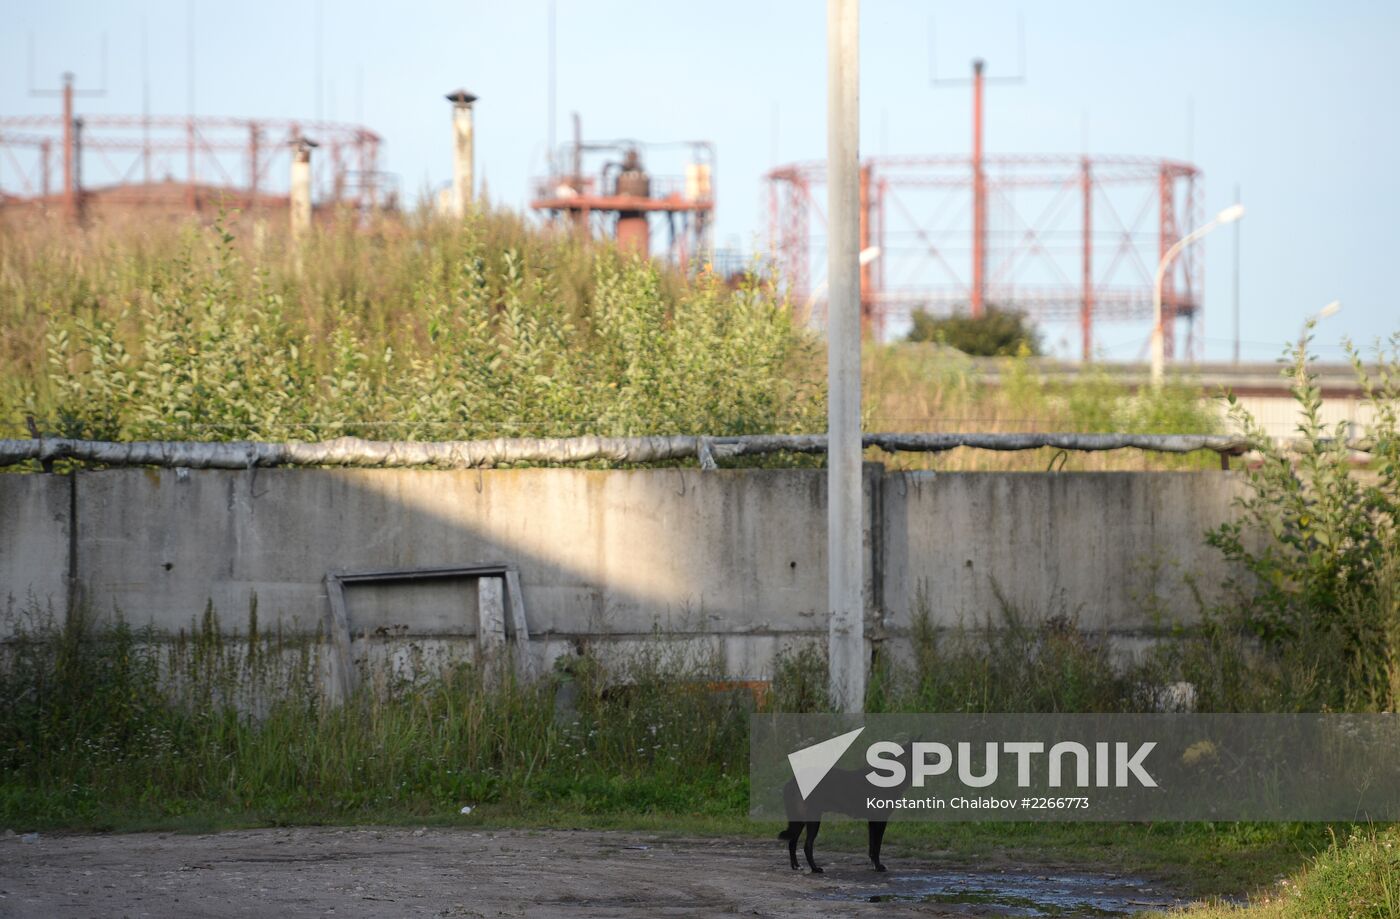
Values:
[(736, 557)]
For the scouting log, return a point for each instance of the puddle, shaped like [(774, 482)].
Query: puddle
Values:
[(1011, 893)]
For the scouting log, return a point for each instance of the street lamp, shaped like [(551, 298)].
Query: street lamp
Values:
[(1330, 309), (867, 255), (1229, 215)]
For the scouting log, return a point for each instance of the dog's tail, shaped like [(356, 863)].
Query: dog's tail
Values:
[(792, 832)]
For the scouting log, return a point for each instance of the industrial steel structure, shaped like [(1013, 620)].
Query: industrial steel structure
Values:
[(180, 163), (620, 197), (1060, 237)]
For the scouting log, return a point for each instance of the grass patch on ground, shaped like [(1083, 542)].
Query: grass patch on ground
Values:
[(1357, 876), (107, 729)]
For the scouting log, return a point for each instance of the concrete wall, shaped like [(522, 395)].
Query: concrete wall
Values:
[(35, 553), (1111, 549), (735, 554)]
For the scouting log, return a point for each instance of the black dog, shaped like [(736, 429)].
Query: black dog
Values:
[(842, 791)]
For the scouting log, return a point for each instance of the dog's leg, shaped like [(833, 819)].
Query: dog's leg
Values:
[(877, 837), (791, 834), (812, 827)]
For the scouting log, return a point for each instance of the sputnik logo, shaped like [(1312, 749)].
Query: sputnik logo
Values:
[(811, 764)]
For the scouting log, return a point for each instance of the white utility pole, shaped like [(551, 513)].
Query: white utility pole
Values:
[(845, 574)]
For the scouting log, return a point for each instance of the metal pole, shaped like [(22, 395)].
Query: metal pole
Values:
[(45, 147), (372, 173), (78, 168), (846, 627), (145, 106), (867, 305), (1086, 318), (979, 198), (553, 92), (1166, 221), (1237, 281), (70, 204), (253, 166), (881, 190), (1158, 344), (191, 200)]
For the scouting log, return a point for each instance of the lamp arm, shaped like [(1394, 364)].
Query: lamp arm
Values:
[(1175, 249)]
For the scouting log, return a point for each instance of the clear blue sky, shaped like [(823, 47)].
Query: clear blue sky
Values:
[(1296, 101)]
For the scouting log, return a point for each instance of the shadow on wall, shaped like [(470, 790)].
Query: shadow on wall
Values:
[(734, 557), (728, 556)]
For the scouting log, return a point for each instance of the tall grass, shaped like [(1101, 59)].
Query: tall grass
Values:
[(413, 329), (926, 387), (105, 726), (1357, 877), (1045, 661), (420, 328), (102, 722)]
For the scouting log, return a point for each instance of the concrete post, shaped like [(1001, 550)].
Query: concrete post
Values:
[(300, 201), (491, 616), (463, 152), (846, 626)]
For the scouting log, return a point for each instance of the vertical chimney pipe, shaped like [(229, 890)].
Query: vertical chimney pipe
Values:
[(463, 152), (300, 200)]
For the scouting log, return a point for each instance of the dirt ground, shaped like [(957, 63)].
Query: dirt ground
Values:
[(371, 872)]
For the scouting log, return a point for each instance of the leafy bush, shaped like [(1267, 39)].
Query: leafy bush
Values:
[(1320, 545), (801, 679), (473, 330), (996, 333)]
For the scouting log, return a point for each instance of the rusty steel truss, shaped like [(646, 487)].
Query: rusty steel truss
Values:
[(178, 162), (1060, 237), (602, 188)]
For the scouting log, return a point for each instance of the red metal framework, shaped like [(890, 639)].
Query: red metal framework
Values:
[(619, 198), (1061, 237), (181, 162)]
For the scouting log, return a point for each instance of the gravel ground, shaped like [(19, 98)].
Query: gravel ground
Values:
[(371, 872)]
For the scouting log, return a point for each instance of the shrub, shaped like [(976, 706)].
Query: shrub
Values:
[(996, 333), (1318, 544), (433, 331)]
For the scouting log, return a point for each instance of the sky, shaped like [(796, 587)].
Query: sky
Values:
[(1295, 102)]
